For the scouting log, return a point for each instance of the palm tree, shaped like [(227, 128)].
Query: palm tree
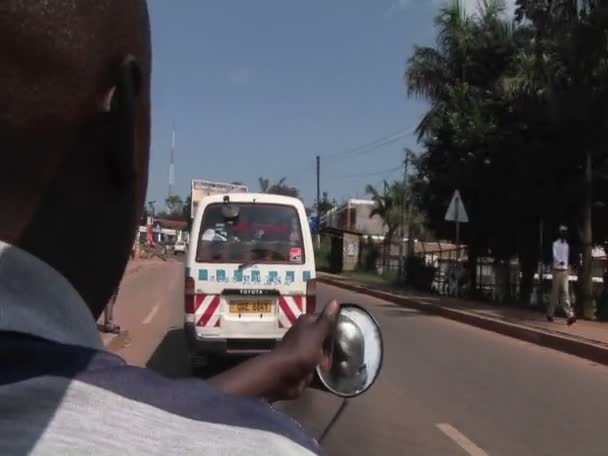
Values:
[(392, 204), (432, 71), (264, 184), (388, 208), (462, 77), (278, 188), (447, 73)]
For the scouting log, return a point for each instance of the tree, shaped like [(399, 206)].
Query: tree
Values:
[(144, 215), (388, 208), (326, 205), (279, 188), (187, 211), (264, 184), (517, 120), (471, 137), (152, 208), (175, 205)]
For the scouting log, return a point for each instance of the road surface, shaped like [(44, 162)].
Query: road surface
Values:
[(446, 388)]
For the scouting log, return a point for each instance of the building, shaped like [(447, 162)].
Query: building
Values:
[(354, 215), (344, 250), (166, 231)]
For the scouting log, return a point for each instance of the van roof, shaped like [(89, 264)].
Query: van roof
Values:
[(253, 198)]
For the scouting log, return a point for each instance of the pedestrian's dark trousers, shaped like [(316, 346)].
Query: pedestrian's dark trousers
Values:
[(108, 312)]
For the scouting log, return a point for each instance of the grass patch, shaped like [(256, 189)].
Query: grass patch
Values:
[(370, 278)]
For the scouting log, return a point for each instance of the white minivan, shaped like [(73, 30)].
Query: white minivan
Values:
[(250, 273)]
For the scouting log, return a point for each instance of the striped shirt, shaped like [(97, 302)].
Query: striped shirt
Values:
[(62, 393)]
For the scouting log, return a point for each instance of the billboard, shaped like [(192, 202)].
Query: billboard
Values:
[(202, 188)]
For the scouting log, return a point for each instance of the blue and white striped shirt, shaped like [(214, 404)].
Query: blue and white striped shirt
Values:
[(62, 393)]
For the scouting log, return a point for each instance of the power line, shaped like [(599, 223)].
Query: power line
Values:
[(353, 152), (384, 172), (373, 145)]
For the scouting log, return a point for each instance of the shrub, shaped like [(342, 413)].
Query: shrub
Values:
[(322, 255), (419, 275)]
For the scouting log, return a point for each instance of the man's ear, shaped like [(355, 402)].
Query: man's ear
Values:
[(122, 102)]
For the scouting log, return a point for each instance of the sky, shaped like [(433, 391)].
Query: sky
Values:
[(260, 88)]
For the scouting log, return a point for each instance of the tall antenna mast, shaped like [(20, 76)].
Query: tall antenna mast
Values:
[(172, 163)]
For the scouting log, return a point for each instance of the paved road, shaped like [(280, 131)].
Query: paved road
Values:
[(446, 388)]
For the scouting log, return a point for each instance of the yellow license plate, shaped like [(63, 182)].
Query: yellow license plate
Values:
[(241, 307)]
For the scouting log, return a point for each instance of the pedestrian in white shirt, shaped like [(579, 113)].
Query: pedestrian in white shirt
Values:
[(560, 292)]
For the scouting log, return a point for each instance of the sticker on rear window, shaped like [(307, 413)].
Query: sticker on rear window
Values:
[(295, 254)]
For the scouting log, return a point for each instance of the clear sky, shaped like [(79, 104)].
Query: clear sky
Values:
[(260, 87)]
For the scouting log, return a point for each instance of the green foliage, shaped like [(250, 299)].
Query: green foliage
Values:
[(323, 254), (419, 275), (515, 108), (369, 254), (278, 188), (326, 205), (175, 205), (389, 279), (389, 206), (396, 204)]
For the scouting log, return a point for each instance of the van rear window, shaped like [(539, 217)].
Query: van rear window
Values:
[(261, 233)]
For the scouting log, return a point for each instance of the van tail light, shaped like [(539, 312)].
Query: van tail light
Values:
[(189, 295), (311, 296)]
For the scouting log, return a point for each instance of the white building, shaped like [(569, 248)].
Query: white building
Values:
[(354, 215)]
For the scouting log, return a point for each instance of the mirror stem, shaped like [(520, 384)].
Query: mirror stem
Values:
[(334, 420)]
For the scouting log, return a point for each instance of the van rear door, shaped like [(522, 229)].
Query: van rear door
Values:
[(252, 270)]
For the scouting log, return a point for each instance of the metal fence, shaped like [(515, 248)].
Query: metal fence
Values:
[(497, 281), (450, 273)]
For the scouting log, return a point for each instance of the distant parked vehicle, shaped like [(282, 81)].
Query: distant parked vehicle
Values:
[(179, 248)]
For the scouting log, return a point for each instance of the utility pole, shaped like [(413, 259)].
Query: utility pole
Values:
[(318, 201), (172, 164), (587, 241), (541, 232), (404, 217)]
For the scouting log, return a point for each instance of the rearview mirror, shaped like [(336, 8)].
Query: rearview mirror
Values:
[(357, 353)]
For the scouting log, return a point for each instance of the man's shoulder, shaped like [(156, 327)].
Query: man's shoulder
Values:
[(195, 400), (69, 391)]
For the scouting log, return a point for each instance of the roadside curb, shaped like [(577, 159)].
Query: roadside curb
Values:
[(572, 345)]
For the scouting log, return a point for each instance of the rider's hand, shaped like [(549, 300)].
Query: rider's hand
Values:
[(305, 346), (285, 372)]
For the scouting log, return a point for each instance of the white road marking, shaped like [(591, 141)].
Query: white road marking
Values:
[(461, 440), (151, 315)]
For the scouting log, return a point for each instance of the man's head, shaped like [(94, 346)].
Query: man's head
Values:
[(563, 232), (74, 124)]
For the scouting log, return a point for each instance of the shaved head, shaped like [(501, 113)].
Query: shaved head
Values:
[(74, 125), (59, 56)]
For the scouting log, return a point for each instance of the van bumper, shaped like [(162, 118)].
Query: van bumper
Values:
[(200, 346)]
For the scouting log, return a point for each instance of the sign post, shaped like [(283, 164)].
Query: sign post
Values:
[(457, 213)]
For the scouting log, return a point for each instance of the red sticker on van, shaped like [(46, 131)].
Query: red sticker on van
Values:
[(295, 254)]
